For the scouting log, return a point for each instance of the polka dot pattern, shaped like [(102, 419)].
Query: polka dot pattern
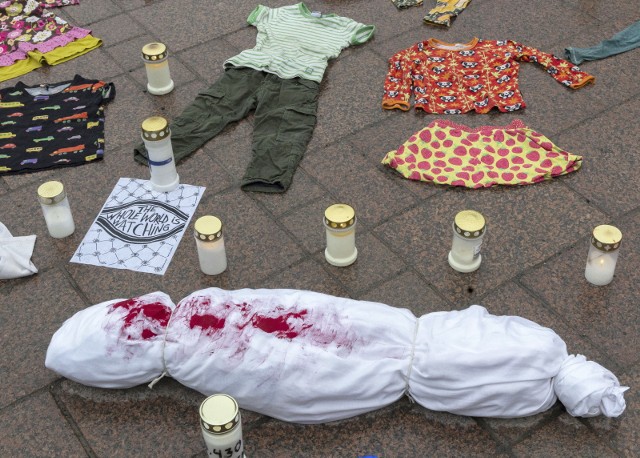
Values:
[(480, 157)]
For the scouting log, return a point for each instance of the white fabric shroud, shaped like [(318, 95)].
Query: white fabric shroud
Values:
[(114, 344), (307, 357)]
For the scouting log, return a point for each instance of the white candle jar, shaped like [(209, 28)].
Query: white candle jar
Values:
[(154, 56), (340, 228), (468, 231), (222, 426), (210, 245), (157, 139), (56, 209), (603, 255)]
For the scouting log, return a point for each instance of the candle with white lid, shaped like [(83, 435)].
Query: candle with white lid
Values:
[(603, 255), (157, 140), (221, 426), (210, 245), (340, 229), (469, 227), (155, 58), (56, 209)]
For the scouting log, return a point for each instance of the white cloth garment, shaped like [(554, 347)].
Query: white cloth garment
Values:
[(587, 389), (15, 255), (307, 357)]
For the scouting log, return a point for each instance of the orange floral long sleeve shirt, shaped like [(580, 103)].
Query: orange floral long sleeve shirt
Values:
[(456, 78)]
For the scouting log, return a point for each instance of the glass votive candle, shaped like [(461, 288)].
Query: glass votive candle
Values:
[(468, 230), (157, 139), (340, 228), (603, 255), (154, 56), (56, 209), (222, 426), (210, 245)]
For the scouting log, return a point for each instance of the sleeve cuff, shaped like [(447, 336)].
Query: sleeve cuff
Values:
[(584, 82), (363, 34), (392, 104), (255, 14)]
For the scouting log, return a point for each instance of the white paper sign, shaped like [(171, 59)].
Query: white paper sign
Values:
[(137, 228)]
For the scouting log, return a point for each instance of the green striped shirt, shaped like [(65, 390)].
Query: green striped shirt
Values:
[(294, 42)]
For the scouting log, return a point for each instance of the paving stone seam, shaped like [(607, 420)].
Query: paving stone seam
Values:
[(54, 389)]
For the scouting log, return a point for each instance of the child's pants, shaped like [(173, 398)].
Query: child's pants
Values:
[(285, 116), (625, 40)]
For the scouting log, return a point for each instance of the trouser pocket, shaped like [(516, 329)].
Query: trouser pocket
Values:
[(297, 124)]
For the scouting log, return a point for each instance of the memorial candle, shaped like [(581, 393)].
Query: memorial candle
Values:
[(210, 245), (222, 426), (468, 230), (157, 140), (154, 56), (56, 209), (603, 255), (340, 228)]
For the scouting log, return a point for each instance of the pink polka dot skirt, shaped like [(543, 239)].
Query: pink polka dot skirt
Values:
[(457, 155)]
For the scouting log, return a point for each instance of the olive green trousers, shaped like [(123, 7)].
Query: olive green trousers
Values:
[(285, 116)]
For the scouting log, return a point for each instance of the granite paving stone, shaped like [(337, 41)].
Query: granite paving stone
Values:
[(305, 223), (514, 240), (374, 197), (569, 294), (622, 436), (533, 255), (31, 312), (36, 427), (610, 159), (567, 434)]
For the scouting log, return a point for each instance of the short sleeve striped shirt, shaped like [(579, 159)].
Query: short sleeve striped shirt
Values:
[(295, 42)]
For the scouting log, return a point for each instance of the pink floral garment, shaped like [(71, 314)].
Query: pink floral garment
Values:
[(27, 25)]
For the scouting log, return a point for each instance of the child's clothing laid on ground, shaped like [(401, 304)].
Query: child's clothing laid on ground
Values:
[(15, 255), (279, 78), (479, 75), (31, 36), (52, 125), (457, 155), (402, 4), (623, 41), (445, 11)]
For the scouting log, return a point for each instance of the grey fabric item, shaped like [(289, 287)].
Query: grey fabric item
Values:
[(285, 117), (623, 41)]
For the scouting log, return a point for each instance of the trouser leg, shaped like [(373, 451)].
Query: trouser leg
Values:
[(229, 99), (284, 121), (623, 41)]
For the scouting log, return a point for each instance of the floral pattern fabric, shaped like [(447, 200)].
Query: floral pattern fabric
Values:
[(456, 78), (445, 11), (28, 25), (457, 155)]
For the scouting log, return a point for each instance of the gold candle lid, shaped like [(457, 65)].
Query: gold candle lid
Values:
[(155, 128), (219, 413), (606, 238), (154, 52), (51, 192), (208, 228), (339, 216), (469, 224)]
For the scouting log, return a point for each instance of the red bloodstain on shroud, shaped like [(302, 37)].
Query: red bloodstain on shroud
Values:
[(136, 323), (231, 326), (142, 319)]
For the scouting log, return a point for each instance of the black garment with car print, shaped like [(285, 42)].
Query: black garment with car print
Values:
[(52, 125)]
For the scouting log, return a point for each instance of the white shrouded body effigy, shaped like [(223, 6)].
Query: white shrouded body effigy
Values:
[(307, 357)]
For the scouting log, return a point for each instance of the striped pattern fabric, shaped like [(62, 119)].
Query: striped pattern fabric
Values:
[(295, 42)]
